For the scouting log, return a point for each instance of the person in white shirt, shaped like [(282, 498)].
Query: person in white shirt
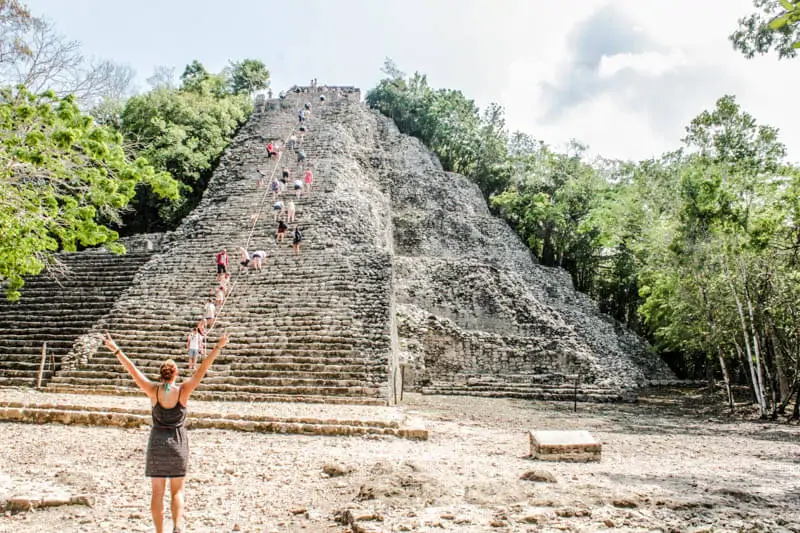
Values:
[(258, 259), (210, 312), (194, 343)]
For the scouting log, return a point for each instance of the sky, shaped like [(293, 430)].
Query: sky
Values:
[(622, 76)]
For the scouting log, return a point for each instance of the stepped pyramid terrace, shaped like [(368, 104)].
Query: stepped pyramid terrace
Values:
[(405, 280)]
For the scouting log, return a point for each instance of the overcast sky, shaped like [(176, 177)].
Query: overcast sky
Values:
[(623, 76)]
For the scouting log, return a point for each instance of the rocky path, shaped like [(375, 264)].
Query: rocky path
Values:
[(663, 469)]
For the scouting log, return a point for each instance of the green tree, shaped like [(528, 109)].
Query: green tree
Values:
[(183, 132), (248, 76), (196, 79), (64, 179), (773, 27)]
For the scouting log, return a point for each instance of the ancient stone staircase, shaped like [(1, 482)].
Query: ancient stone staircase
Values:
[(57, 310), (308, 328), (547, 387)]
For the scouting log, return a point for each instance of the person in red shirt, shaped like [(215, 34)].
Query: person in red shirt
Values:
[(308, 177), (222, 264), (271, 151)]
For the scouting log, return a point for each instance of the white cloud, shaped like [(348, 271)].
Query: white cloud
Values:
[(648, 63)]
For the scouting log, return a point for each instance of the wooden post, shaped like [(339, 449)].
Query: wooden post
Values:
[(575, 400), (402, 381), (41, 366)]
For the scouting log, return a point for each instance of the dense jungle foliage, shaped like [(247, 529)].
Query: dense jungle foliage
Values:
[(698, 249), (83, 160)]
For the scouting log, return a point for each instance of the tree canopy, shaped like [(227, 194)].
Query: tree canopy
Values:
[(697, 250), (64, 179), (773, 27), (248, 76)]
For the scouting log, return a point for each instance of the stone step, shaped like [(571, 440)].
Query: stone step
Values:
[(80, 415), (238, 396), (532, 393)]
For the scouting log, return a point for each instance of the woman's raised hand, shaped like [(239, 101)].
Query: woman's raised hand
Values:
[(223, 340), (109, 342)]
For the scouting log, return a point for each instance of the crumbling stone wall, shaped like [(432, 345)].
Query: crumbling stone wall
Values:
[(470, 298)]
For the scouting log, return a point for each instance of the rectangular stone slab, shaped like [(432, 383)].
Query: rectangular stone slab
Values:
[(575, 446)]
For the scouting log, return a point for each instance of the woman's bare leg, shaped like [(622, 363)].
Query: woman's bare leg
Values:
[(157, 503), (176, 490)]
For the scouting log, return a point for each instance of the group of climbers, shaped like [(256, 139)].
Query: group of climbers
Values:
[(283, 214)]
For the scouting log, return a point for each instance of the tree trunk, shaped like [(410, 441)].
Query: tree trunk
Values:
[(756, 341), (757, 388), (726, 376), (780, 362), (747, 376)]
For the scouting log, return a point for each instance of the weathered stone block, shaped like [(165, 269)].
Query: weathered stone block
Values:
[(573, 446)]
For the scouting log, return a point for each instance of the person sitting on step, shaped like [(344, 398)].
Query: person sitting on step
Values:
[(271, 151), (167, 455), (278, 208), (285, 176), (281, 232), (258, 259), (290, 212), (298, 188), (296, 239)]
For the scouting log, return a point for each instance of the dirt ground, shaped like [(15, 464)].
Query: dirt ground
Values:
[(669, 464)]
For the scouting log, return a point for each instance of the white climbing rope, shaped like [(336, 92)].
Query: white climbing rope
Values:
[(253, 227)]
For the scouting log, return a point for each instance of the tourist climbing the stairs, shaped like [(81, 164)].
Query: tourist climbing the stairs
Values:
[(275, 187), (308, 177), (298, 188), (222, 264), (167, 454), (278, 209), (322, 99), (285, 176), (308, 107), (261, 177), (210, 312), (296, 239), (258, 259), (271, 151), (290, 210), (292, 142), (194, 343), (281, 231), (301, 156), (300, 116), (245, 262), (219, 295)]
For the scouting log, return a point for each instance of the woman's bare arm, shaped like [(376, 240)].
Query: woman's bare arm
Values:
[(189, 385), (141, 380)]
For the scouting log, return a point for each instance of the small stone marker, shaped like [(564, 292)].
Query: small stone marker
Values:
[(574, 446)]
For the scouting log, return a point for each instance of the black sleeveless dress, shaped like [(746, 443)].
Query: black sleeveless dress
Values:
[(168, 447)]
